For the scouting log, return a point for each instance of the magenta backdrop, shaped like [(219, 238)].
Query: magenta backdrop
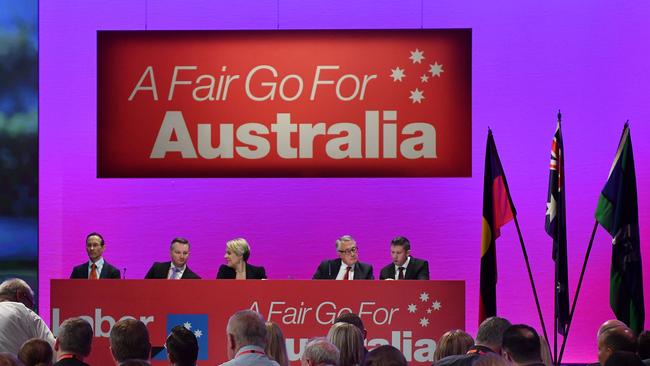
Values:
[(589, 59)]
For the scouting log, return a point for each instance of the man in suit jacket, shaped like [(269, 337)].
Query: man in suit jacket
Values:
[(73, 343), (177, 268), (96, 267), (347, 266), (404, 267)]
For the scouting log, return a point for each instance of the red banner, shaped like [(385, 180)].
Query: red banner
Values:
[(410, 315), (370, 103)]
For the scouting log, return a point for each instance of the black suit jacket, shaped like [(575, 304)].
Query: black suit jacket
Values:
[(418, 269), (252, 272), (82, 271), (70, 362), (159, 270), (329, 269)]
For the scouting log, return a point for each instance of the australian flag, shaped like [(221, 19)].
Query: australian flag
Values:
[(197, 323), (556, 228)]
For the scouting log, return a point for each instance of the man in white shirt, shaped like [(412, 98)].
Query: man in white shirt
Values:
[(246, 332), (177, 268), (96, 267), (18, 323)]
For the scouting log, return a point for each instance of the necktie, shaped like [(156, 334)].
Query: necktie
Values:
[(175, 273), (400, 276), (347, 273), (93, 271)]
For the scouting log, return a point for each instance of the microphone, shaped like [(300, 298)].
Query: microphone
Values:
[(124, 273)]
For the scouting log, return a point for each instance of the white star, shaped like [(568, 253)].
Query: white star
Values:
[(551, 209), (424, 322), (198, 333), (417, 56), (428, 311), (397, 74), (187, 325), (424, 78), (416, 96), (435, 69), (424, 297), (436, 305), (412, 308)]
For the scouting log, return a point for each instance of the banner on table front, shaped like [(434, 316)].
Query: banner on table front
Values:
[(362, 103), (410, 315)]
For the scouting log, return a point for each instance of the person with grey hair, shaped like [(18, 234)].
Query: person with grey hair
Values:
[(129, 340), (488, 340), (177, 268), (246, 340), (613, 338), (347, 265), (73, 343), (18, 323), (320, 352)]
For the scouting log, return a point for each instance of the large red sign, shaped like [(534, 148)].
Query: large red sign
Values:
[(410, 315), (380, 103)]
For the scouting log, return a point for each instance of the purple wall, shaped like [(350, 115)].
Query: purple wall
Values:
[(589, 59)]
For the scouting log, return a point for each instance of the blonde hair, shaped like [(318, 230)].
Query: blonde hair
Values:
[(349, 340), (453, 342), (240, 247), (276, 347)]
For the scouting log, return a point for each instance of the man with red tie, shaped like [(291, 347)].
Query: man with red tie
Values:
[(347, 266), (96, 267)]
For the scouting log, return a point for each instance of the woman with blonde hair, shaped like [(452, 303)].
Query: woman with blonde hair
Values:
[(237, 253), (349, 340), (276, 347), (453, 342)]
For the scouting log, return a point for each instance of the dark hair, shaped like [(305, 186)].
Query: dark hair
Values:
[(644, 345), (101, 238), (619, 339), (351, 318), (490, 332), (401, 241), (624, 358), (385, 355), (522, 343), (182, 346), (130, 340), (36, 352), (76, 336), (180, 241)]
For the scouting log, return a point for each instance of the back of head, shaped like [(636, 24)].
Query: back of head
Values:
[(182, 346), (75, 336), (8, 359), (619, 339), (644, 345), (349, 340), (522, 343), (130, 340), (135, 363), (17, 290), (276, 347), (624, 358), (453, 342), (490, 359), (248, 328), (490, 332), (610, 324), (385, 355), (36, 352), (351, 318), (321, 352)]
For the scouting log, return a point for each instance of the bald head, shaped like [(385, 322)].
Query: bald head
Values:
[(615, 338), (17, 290), (610, 324)]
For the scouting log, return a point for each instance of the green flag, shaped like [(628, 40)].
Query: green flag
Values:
[(618, 213)]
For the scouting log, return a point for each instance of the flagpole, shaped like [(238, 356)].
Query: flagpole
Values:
[(555, 284), (575, 298), (532, 282)]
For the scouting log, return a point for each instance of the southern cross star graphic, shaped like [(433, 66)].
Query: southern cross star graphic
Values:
[(436, 305), (424, 297), (187, 325), (424, 322), (435, 69), (429, 311), (417, 56), (551, 209), (416, 96), (412, 308), (424, 78), (397, 74), (198, 333)]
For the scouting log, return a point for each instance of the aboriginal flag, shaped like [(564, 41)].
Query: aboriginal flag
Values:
[(498, 210)]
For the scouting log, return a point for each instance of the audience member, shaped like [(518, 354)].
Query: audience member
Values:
[(547, 358), (36, 352), (320, 352), (129, 339), (488, 340), (349, 340), (74, 342), (9, 359), (182, 347), (624, 358), (521, 346), (246, 340), (643, 346), (490, 359), (18, 323), (453, 342), (385, 355), (614, 338), (354, 319), (276, 347), (135, 363)]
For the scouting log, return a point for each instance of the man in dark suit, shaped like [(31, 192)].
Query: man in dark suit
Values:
[(96, 267), (177, 268), (73, 343), (347, 266), (404, 267)]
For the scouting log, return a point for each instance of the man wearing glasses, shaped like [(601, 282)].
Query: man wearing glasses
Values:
[(347, 265)]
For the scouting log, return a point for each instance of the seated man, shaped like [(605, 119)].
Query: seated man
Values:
[(96, 267), (404, 267), (488, 341), (182, 347), (74, 342), (614, 336), (347, 266), (246, 340), (177, 268), (521, 346), (129, 340), (320, 352)]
